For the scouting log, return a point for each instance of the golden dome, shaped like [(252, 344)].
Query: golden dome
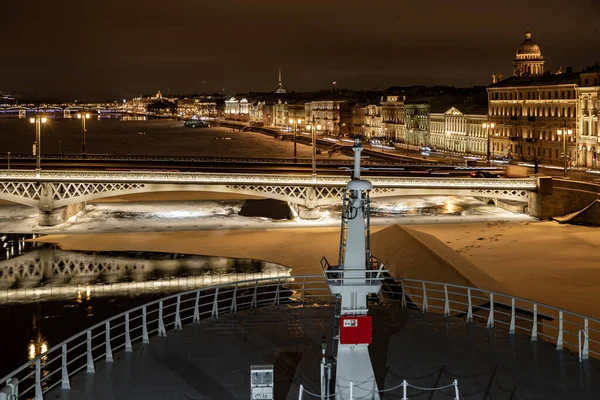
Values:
[(528, 49)]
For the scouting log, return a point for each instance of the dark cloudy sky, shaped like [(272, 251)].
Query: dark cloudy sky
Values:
[(92, 49)]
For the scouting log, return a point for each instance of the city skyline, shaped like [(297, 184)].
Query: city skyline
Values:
[(105, 50)]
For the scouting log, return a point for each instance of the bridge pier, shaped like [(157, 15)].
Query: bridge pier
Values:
[(59, 215), (307, 213)]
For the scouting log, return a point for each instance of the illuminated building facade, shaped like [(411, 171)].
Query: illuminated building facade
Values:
[(416, 121), (588, 134), (328, 114), (367, 121), (237, 110), (458, 132), (527, 113), (393, 118)]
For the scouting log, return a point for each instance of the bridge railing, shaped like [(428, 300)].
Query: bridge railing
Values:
[(83, 351)]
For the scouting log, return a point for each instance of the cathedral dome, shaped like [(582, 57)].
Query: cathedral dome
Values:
[(529, 48)]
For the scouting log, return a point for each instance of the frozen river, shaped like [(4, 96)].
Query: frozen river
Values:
[(193, 215)]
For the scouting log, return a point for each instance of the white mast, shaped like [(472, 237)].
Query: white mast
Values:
[(353, 280)]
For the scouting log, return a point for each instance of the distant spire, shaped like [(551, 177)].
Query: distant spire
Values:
[(280, 88)]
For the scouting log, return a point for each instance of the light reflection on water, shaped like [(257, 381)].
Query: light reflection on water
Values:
[(422, 206)]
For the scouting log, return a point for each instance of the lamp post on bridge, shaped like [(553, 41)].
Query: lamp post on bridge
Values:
[(487, 126), (313, 128), (295, 122), (37, 146), (83, 117), (564, 132)]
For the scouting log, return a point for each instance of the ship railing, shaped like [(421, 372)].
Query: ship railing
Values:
[(565, 329), (338, 275), (84, 350)]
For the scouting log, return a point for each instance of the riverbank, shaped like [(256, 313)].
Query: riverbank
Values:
[(542, 261)]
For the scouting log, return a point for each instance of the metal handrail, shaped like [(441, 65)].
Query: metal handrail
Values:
[(96, 343)]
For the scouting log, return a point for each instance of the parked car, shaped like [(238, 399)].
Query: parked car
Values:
[(484, 174)]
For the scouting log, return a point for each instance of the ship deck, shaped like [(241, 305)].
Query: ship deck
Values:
[(212, 359)]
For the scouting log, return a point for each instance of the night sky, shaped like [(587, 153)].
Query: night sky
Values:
[(110, 49)]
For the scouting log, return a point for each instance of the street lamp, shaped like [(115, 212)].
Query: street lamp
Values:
[(37, 146), (295, 122), (564, 132), (313, 128), (83, 117), (487, 127)]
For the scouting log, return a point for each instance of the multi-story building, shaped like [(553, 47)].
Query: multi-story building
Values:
[(416, 123), (588, 134), (280, 113), (529, 109), (328, 114), (237, 110), (367, 121), (458, 130), (392, 116), (527, 113)]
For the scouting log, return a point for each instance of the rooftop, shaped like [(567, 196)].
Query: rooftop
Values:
[(541, 80)]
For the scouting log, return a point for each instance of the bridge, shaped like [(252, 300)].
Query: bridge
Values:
[(60, 194)]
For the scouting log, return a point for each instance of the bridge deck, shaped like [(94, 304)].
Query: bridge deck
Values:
[(212, 360)]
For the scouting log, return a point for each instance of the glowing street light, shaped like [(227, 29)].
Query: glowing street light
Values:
[(564, 132), (83, 117), (487, 127), (37, 146), (295, 122)]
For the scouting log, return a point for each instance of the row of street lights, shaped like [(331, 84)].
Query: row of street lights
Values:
[(39, 120), (562, 132), (313, 129)]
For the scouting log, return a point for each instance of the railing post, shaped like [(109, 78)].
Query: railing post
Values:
[(469, 307), (109, 356), (559, 339), (511, 329), (161, 325), (424, 299), (38, 381), (446, 303), (351, 390), (215, 309), (65, 383), (128, 347), (300, 392), (490, 321), (302, 294), (178, 325), (254, 303), (196, 318), (456, 393), (586, 343), (404, 385), (534, 326), (90, 358), (145, 338), (403, 293), (233, 307), (276, 298)]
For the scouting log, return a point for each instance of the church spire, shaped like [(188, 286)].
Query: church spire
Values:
[(280, 88)]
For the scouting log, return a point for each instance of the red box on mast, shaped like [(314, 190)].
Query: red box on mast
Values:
[(356, 329)]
